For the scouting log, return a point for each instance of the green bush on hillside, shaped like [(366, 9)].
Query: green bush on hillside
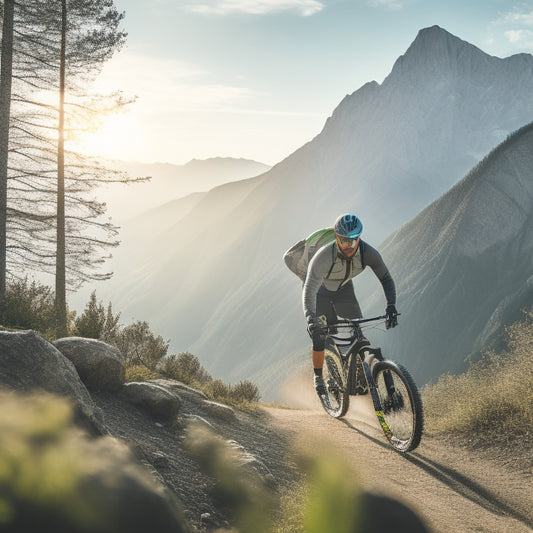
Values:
[(42, 460), (28, 305), (140, 346), (493, 399), (31, 306), (184, 367), (245, 391), (97, 322)]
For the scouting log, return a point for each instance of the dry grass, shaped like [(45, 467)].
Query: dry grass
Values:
[(493, 399)]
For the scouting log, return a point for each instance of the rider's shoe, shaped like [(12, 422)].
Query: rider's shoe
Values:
[(320, 386)]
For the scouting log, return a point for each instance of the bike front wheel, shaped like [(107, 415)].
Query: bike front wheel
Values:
[(336, 400), (403, 417)]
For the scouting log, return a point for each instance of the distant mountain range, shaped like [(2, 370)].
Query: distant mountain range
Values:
[(211, 276), (171, 182)]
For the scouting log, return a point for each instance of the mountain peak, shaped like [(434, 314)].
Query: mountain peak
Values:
[(435, 36), (436, 50)]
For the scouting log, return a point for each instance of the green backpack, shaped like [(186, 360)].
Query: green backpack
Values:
[(297, 257)]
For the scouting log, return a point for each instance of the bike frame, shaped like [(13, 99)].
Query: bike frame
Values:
[(355, 349), (391, 389)]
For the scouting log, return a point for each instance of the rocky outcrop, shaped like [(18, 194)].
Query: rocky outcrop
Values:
[(30, 363), (99, 365)]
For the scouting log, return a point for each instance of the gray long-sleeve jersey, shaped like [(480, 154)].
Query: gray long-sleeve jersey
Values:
[(331, 269)]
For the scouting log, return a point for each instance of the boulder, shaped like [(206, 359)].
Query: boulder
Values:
[(30, 363), (221, 411), (127, 497), (178, 387), (99, 365), (157, 401)]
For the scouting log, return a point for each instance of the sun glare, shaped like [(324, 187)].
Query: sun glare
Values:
[(114, 140)]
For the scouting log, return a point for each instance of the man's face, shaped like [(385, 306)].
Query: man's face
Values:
[(347, 246)]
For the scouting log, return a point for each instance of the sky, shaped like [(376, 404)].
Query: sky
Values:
[(257, 79)]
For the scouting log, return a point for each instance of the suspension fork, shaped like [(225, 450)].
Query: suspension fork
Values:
[(372, 357)]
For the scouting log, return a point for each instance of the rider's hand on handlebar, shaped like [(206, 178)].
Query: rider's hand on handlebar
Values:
[(392, 316), (316, 325)]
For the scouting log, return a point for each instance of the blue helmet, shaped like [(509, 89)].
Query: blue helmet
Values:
[(348, 226)]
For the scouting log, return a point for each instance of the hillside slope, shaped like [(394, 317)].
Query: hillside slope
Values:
[(464, 266)]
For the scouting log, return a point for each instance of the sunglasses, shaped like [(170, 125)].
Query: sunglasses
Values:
[(346, 240)]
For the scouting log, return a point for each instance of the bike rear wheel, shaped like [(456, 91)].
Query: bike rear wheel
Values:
[(401, 405), (336, 402)]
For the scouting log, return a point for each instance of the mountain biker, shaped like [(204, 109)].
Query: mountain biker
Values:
[(328, 287)]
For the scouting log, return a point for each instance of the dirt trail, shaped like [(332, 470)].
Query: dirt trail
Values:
[(452, 489)]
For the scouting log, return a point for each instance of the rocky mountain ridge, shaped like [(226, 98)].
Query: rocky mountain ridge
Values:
[(464, 266)]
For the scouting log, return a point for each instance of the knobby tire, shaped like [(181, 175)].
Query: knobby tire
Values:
[(338, 400), (403, 412)]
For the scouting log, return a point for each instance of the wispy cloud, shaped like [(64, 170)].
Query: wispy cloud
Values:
[(515, 27), (391, 4), (519, 36), (304, 8), (161, 84), (518, 17)]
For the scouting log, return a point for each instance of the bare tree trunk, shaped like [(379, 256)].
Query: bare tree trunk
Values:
[(61, 293), (5, 112)]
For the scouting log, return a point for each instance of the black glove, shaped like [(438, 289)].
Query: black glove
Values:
[(316, 325), (392, 316)]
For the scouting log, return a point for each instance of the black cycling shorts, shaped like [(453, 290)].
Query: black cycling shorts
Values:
[(333, 304)]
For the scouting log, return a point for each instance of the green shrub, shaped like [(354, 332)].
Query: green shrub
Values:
[(245, 391), (140, 346), (140, 373), (54, 478), (217, 390), (184, 367), (96, 322), (28, 305), (240, 491)]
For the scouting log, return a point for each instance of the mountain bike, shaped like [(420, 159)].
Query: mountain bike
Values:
[(352, 367)]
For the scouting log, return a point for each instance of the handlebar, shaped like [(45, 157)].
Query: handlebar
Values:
[(360, 320), (353, 322)]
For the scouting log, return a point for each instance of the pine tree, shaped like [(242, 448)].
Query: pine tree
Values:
[(52, 224), (5, 112)]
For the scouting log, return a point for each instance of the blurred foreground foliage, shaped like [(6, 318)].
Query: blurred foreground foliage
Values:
[(493, 400), (30, 305), (53, 478), (326, 498)]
